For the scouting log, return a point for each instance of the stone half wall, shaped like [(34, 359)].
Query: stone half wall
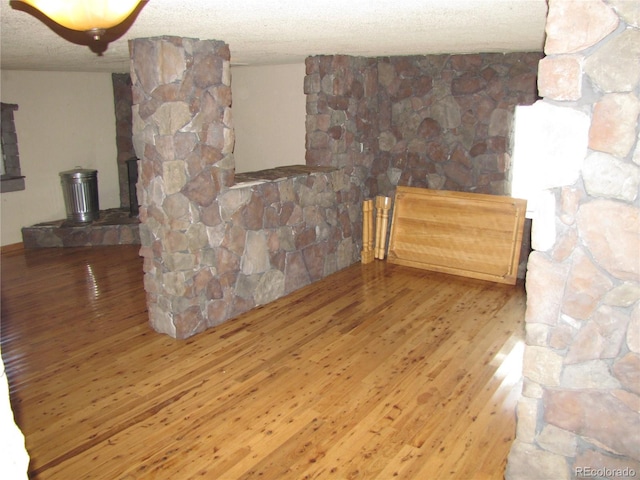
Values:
[(279, 235), (579, 414), (212, 248)]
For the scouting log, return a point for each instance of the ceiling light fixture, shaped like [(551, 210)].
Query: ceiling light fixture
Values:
[(90, 16)]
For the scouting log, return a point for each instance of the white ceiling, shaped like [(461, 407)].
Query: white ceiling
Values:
[(282, 31)]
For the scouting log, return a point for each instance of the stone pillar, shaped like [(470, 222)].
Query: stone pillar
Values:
[(579, 414), (341, 130), (183, 136), (342, 111)]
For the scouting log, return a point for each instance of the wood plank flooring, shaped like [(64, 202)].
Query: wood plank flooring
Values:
[(377, 372)]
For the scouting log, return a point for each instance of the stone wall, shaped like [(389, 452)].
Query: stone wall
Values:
[(579, 411), (436, 121), (276, 236), (445, 120), (212, 248)]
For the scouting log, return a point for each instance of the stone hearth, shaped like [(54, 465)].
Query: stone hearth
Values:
[(114, 227)]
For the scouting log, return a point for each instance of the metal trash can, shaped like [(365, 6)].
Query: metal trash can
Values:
[(80, 190)]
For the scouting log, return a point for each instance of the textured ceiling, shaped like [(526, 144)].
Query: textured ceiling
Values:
[(280, 31)]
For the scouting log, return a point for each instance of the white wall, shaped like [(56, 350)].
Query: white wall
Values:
[(269, 114), (63, 120)]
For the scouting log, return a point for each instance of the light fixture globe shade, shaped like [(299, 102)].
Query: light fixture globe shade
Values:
[(85, 15)]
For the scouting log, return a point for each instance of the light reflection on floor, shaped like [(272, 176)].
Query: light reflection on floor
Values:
[(509, 374), (93, 290)]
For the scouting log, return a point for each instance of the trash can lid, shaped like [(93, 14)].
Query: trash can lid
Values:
[(79, 172)]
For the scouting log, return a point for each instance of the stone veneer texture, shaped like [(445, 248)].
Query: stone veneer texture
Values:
[(445, 120), (342, 111), (436, 121), (579, 411), (212, 249)]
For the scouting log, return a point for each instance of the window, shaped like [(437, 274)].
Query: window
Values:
[(11, 180)]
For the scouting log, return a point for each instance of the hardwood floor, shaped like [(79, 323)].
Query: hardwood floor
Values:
[(377, 372)]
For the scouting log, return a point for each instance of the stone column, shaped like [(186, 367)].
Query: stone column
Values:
[(341, 130), (183, 136), (578, 416), (342, 117)]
